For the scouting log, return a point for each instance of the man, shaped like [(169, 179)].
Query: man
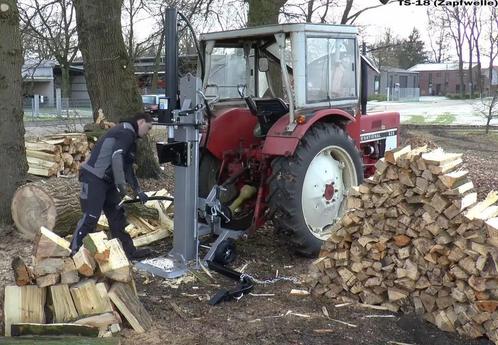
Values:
[(103, 180)]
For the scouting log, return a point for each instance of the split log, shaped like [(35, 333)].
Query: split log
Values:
[(130, 306), (69, 274), (22, 273), (100, 321), (52, 203), (49, 244), (84, 262), (23, 304), (54, 329), (117, 267), (62, 303), (89, 298)]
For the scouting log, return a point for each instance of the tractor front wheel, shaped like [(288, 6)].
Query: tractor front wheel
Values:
[(308, 190)]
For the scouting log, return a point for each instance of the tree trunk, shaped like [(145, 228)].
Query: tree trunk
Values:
[(471, 76), (262, 12), (157, 63), (460, 74), (66, 81), (148, 164), (108, 70), (52, 203), (12, 152)]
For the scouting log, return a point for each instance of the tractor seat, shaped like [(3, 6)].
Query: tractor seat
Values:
[(268, 111)]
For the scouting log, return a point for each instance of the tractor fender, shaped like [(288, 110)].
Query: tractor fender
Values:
[(281, 143), (230, 129)]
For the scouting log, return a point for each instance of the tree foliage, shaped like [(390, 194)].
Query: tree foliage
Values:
[(392, 51), (412, 50)]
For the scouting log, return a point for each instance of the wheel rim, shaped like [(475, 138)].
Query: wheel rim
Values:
[(328, 177)]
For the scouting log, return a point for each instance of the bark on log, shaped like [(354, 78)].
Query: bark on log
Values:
[(53, 203)]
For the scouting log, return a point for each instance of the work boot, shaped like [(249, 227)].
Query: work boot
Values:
[(140, 253)]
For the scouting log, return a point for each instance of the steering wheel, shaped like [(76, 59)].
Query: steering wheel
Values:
[(251, 105)]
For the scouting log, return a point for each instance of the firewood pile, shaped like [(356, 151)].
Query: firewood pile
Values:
[(148, 223), (414, 238), (88, 294), (57, 154)]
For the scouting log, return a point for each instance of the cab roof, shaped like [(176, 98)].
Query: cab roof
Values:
[(261, 32)]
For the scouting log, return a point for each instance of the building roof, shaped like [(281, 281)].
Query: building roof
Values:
[(395, 70), (428, 67)]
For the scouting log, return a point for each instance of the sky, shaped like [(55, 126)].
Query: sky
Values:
[(402, 19)]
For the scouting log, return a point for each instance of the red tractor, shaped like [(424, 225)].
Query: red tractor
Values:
[(287, 136)]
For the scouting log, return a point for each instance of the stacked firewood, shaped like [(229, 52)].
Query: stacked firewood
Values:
[(87, 294), (58, 154), (414, 238)]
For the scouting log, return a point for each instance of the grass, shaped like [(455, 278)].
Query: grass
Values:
[(443, 119), (416, 120)]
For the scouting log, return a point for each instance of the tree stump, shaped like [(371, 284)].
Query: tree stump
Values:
[(53, 203)]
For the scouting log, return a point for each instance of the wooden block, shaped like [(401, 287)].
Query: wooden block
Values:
[(49, 244), (477, 283), (406, 178), (488, 213), (381, 166), (100, 321), (117, 267), (48, 280), (393, 155), (453, 179), (439, 157), (43, 155), (489, 306), (69, 274), (23, 304), (48, 266), (446, 168), (151, 237), (62, 302), (443, 322), (428, 301), (130, 306), (56, 329), (467, 201), (439, 203), (96, 245), (22, 273), (492, 231), (89, 299), (473, 212), (401, 240), (395, 294), (460, 190), (84, 262), (41, 146)]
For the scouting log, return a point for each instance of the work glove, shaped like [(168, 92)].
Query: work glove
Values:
[(121, 190), (143, 197)]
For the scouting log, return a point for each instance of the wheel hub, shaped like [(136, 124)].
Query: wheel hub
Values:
[(329, 191), (329, 175)]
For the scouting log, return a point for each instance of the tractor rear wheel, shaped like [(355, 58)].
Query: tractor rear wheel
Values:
[(209, 169), (308, 190)]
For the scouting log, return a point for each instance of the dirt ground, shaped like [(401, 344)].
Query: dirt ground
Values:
[(270, 315)]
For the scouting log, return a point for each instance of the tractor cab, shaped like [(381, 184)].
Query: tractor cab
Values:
[(283, 69)]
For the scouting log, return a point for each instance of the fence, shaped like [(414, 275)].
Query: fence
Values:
[(396, 94), (64, 108)]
